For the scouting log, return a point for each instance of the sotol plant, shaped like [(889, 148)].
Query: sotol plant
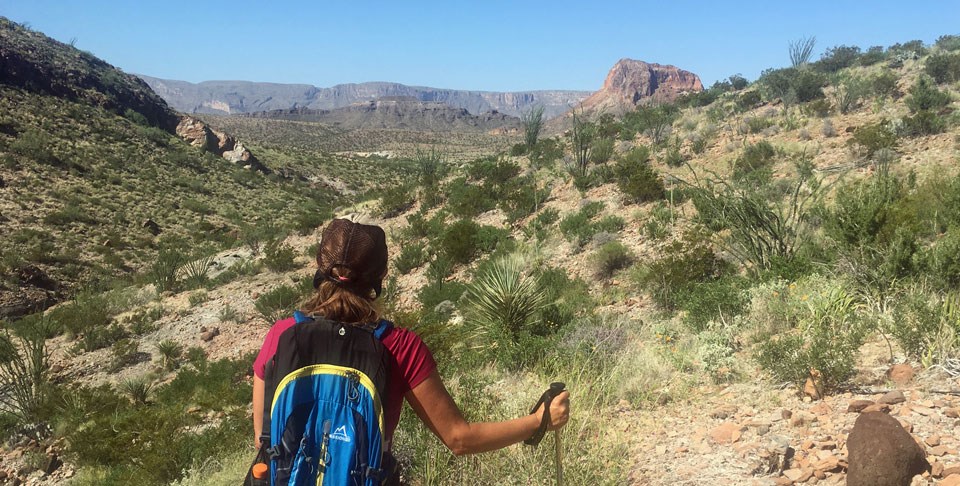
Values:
[(505, 297)]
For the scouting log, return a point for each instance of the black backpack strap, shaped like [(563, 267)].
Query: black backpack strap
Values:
[(555, 389)]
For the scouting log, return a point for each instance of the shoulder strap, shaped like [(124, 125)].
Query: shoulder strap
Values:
[(379, 330)]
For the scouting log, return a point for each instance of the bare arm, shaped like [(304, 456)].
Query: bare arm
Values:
[(258, 388), (436, 408)]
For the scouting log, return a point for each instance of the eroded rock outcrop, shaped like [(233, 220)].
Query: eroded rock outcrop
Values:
[(199, 134), (632, 82), (882, 453)]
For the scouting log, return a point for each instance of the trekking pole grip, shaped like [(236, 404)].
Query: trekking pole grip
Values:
[(555, 389)]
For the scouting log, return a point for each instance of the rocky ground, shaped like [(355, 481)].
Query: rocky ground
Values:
[(750, 434)]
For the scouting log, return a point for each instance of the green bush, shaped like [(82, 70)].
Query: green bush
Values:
[(579, 227), (837, 58), (602, 150), (875, 137), (792, 85), (279, 256), (923, 123), (927, 326), (943, 68), (277, 303), (467, 200), (685, 263), (824, 344), (24, 375), (636, 178), (924, 96), (396, 200), (609, 258), (163, 270), (884, 84), (704, 302), (459, 241), (412, 255), (949, 43), (756, 160), (873, 55), (523, 199)]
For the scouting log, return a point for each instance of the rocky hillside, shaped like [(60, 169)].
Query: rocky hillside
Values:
[(401, 113), (233, 97), (632, 82)]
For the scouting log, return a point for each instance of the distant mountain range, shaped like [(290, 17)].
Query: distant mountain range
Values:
[(402, 113), (235, 97)]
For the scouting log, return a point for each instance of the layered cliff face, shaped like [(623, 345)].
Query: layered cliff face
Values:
[(399, 112), (632, 82), (235, 97)]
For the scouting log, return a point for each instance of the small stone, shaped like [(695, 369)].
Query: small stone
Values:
[(901, 374), (56, 368), (936, 469), (952, 412), (209, 335), (819, 474), (723, 412), (786, 414), (892, 398), (877, 407), (793, 474), (782, 481), (857, 406), (3, 474), (948, 471), (951, 480), (827, 464), (922, 410), (906, 425), (933, 440), (683, 449), (763, 430), (726, 433), (938, 451)]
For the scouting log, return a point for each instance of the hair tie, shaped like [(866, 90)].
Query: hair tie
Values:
[(342, 278)]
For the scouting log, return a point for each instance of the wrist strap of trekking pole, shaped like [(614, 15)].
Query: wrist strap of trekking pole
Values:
[(545, 399)]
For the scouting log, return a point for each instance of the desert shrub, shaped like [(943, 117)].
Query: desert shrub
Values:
[(943, 68), (874, 137), (924, 96), (602, 150), (848, 91), (748, 100), (493, 171), (884, 84), (609, 258), (820, 108), (197, 298), (837, 58), (433, 294), (459, 241), (523, 198), (792, 85), (419, 226), (195, 272), (36, 145), (170, 352), (948, 43), (755, 158), (396, 200), (123, 352), (863, 210), (767, 225), (467, 200), (826, 336), (506, 299), (86, 311), (137, 389), (94, 338), (941, 262), (923, 123), (873, 55), (277, 303), (757, 124), (163, 270), (685, 263), (636, 178), (279, 256), (927, 326), (579, 227), (652, 120), (412, 255), (672, 157), (704, 302), (545, 152), (24, 375), (827, 129)]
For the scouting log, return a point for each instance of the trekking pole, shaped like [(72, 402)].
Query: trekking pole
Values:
[(555, 389)]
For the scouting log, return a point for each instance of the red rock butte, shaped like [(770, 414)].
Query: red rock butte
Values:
[(632, 82)]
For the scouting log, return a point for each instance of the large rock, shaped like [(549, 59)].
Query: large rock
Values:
[(882, 453), (199, 134), (632, 82)]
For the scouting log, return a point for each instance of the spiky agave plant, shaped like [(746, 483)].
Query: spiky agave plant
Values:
[(505, 297), (170, 352), (137, 389)]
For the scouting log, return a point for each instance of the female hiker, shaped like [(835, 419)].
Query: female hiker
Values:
[(352, 262)]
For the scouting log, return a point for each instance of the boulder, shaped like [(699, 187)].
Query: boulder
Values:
[(882, 453), (893, 398), (901, 374)]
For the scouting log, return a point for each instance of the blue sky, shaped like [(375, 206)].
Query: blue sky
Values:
[(492, 45)]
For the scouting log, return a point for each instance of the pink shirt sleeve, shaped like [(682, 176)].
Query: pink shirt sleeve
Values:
[(414, 360), (269, 347)]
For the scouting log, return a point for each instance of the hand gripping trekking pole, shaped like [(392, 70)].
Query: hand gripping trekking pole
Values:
[(555, 389)]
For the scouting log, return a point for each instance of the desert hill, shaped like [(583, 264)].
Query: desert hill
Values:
[(234, 97), (631, 82)]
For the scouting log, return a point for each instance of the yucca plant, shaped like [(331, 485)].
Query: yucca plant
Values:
[(195, 272), (170, 352), (24, 373), (137, 389), (505, 297)]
